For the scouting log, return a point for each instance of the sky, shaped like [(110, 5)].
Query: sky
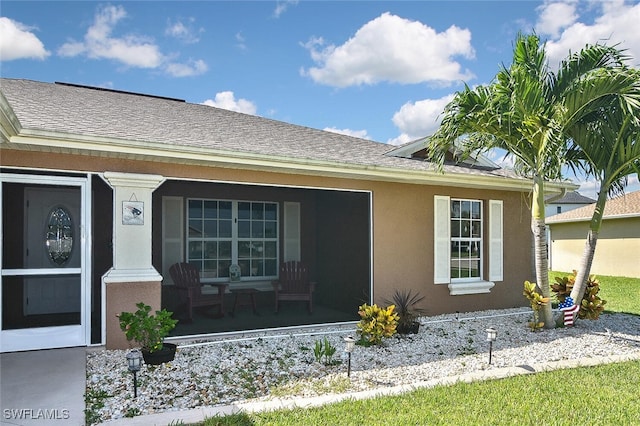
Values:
[(380, 70)]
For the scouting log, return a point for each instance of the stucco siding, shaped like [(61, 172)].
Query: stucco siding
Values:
[(402, 224), (617, 249)]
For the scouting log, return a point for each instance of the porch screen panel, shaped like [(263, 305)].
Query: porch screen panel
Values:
[(172, 234)]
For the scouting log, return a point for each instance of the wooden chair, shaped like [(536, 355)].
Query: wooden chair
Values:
[(294, 284), (186, 277)]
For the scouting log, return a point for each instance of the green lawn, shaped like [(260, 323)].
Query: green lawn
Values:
[(621, 293), (604, 395)]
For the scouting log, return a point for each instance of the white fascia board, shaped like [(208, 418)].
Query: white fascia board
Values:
[(57, 142), (9, 123)]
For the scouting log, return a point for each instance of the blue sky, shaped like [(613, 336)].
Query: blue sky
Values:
[(380, 70)]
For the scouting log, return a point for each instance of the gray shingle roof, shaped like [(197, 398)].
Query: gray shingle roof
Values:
[(623, 206), (573, 197), (91, 112)]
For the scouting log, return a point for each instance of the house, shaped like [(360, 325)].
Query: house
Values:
[(570, 201), (618, 243), (103, 190)]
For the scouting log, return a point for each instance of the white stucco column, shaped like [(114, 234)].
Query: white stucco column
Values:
[(132, 217), (132, 278)]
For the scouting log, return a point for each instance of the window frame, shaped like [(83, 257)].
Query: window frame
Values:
[(492, 223), (470, 239), (235, 240)]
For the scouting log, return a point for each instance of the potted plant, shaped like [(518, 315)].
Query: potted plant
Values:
[(405, 302), (149, 331)]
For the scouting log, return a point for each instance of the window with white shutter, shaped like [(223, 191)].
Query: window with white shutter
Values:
[(495, 241), (291, 231), (459, 238)]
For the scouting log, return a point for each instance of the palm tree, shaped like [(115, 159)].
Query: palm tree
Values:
[(528, 111), (608, 142)]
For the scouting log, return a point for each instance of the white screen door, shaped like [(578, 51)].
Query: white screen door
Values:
[(44, 281)]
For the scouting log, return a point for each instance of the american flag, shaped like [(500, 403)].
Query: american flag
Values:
[(569, 308)]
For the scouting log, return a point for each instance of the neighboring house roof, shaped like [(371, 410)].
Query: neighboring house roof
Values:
[(77, 119), (624, 206), (572, 197)]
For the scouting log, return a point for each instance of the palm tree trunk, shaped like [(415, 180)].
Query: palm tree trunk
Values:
[(580, 285), (539, 229)]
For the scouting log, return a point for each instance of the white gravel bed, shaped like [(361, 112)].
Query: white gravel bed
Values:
[(233, 368)]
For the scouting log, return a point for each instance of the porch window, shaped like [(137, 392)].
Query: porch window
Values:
[(459, 243), (225, 232)]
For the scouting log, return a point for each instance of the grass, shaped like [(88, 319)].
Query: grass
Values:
[(606, 396), (621, 293), (603, 394)]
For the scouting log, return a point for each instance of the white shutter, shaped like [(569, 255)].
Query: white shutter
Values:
[(441, 240), (495, 241), (291, 231), (172, 234)]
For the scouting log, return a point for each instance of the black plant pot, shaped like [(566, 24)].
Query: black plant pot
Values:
[(166, 354), (409, 328)]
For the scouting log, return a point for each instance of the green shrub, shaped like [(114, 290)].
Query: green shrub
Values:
[(531, 292), (592, 305), (145, 328), (406, 307), (376, 323)]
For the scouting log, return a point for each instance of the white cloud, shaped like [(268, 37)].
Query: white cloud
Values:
[(394, 49), (282, 6), (590, 187), (184, 32), (555, 16), (130, 50), (355, 133), (17, 41), (240, 41), (98, 43), (227, 100), (191, 68), (616, 23), (500, 157), (419, 119)]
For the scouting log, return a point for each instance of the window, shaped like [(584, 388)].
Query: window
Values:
[(466, 239), (558, 209), (459, 244), (223, 232)]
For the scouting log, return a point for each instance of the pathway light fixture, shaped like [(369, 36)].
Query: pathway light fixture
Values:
[(491, 337), (350, 344), (134, 361)]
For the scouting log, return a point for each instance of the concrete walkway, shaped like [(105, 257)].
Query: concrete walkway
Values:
[(43, 387)]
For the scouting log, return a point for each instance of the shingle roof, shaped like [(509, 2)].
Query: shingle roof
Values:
[(573, 197), (627, 205), (113, 116)]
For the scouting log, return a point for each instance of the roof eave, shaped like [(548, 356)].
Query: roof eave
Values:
[(588, 219), (46, 141)]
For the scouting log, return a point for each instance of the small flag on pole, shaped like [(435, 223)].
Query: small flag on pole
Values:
[(569, 309)]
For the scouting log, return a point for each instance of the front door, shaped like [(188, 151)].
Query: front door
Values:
[(44, 263)]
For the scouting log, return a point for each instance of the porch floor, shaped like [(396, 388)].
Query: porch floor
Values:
[(290, 314)]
